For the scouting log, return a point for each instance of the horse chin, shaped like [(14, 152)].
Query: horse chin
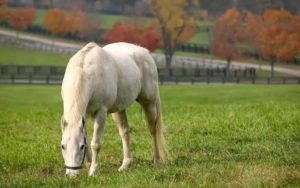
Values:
[(72, 173)]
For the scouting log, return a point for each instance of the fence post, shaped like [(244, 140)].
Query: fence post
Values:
[(12, 78), (253, 80), (268, 80), (207, 79), (283, 80), (48, 79)]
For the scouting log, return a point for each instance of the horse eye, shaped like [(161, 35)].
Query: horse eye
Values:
[(81, 147), (62, 147)]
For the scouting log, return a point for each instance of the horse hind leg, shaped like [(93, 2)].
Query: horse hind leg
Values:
[(120, 118), (155, 125)]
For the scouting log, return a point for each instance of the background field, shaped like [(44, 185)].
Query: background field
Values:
[(219, 135)]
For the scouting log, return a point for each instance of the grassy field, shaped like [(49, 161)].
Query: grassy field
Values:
[(18, 56), (218, 135)]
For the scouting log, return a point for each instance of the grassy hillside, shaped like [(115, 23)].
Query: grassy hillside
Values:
[(219, 136)]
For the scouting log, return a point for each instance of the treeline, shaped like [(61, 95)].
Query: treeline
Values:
[(129, 7), (273, 36)]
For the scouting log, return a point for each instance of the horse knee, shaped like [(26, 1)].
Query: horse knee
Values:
[(96, 147)]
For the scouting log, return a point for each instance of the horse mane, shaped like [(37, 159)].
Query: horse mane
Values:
[(74, 88)]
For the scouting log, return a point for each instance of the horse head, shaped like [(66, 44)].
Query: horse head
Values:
[(73, 145)]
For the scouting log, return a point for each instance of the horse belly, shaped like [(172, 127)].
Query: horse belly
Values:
[(129, 86)]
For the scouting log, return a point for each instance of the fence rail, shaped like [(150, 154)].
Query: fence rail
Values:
[(22, 74)]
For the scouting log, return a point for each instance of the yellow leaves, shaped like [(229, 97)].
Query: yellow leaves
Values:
[(172, 15)]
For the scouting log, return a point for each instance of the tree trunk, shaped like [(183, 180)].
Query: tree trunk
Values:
[(168, 58), (228, 66), (169, 50), (272, 68)]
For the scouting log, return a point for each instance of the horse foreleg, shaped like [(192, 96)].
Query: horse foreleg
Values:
[(88, 155), (99, 125), (120, 119)]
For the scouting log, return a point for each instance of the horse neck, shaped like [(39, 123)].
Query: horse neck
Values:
[(75, 95)]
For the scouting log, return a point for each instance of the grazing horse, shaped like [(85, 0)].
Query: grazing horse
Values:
[(106, 80)]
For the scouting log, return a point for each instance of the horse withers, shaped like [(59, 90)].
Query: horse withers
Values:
[(106, 80)]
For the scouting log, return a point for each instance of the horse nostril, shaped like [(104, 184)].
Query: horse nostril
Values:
[(81, 147), (62, 147)]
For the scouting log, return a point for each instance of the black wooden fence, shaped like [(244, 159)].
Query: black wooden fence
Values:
[(21, 74)]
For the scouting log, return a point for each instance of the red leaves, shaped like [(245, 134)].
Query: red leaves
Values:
[(279, 37), (225, 37), (21, 18), (59, 22), (275, 35), (128, 32), (4, 14)]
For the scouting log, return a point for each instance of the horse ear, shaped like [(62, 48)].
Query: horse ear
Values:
[(63, 123)]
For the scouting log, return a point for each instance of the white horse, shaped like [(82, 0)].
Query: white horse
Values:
[(105, 80)]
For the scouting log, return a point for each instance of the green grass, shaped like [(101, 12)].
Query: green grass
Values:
[(18, 56), (268, 74), (202, 37), (106, 20), (219, 136)]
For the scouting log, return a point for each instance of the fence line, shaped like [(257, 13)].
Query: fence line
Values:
[(21, 74)]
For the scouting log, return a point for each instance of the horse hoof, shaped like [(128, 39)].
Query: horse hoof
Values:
[(125, 166), (92, 170)]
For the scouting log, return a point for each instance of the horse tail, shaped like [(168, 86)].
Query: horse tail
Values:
[(159, 133)]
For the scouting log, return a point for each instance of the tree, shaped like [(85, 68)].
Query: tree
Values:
[(129, 32), (82, 25), (57, 22), (227, 36), (173, 17), (4, 12), (279, 39), (21, 18)]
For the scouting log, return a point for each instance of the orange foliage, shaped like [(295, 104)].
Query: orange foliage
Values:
[(275, 35), (279, 37), (187, 34), (21, 18), (4, 14), (82, 24), (227, 35), (129, 32), (57, 22)]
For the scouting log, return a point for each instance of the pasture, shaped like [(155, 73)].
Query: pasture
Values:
[(218, 135)]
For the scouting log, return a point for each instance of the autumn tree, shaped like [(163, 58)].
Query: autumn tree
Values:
[(173, 16), (279, 38), (148, 37), (57, 22), (4, 11), (227, 36), (21, 18)]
